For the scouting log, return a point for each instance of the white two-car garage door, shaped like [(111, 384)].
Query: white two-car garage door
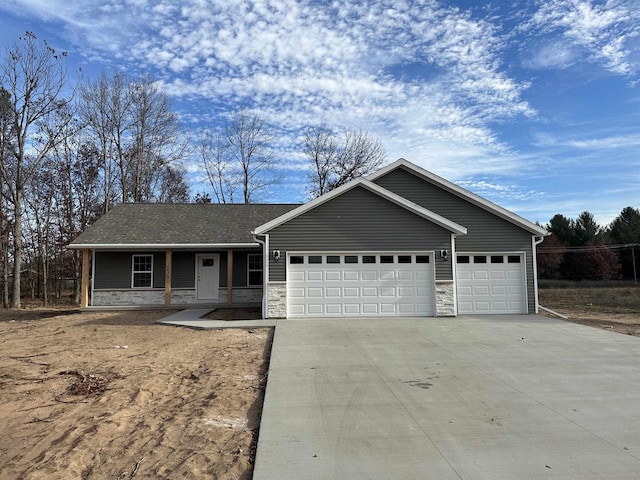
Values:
[(360, 284), (491, 283)]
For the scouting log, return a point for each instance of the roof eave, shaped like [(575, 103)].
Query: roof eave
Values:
[(156, 246)]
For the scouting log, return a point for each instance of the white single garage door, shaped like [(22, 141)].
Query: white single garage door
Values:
[(491, 283), (360, 284)]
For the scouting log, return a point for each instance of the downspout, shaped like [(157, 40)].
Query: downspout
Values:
[(265, 271), (453, 274), (536, 241)]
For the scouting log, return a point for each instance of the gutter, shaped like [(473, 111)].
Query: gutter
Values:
[(156, 246)]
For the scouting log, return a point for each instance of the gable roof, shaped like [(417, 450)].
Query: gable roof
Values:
[(140, 225), (462, 193), (372, 187)]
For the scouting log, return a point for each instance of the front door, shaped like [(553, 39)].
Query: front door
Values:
[(207, 276)]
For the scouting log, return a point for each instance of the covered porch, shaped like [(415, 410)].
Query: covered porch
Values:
[(177, 277)]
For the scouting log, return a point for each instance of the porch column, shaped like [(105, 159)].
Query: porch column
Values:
[(230, 276), (84, 288), (167, 276)]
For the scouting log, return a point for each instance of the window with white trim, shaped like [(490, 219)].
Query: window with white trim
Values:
[(255, 269), (142, 271)]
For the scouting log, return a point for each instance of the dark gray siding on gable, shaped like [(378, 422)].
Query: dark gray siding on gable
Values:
[(486, 232), (358, 220)]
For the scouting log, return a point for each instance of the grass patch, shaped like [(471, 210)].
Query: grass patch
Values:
[(601, 299)]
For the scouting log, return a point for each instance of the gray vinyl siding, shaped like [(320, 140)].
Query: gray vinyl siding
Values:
[(183, 270), (113, 269), (358, 220), (486, 232), (239, 267)]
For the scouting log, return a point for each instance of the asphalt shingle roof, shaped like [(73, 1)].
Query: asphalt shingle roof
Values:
[(164, 224)]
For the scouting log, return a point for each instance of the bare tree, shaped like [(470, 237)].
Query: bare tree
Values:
[(137, 135), (104, 107), (336, 161), (157, 143), (6, 137), (212, 149), (249, 140), (321, 146), (238, 159), (35, 77)]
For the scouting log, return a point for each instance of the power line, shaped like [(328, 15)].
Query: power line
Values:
[(586, 248)]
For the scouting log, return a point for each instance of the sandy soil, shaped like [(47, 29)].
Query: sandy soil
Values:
[(113, 396), (625, 323)]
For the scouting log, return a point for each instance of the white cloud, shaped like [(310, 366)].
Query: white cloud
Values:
[(302, 63), (609, 31)]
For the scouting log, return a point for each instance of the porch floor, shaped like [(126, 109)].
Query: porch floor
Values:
[(192, 318)]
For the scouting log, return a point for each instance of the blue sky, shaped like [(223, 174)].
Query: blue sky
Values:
[(533, 104)]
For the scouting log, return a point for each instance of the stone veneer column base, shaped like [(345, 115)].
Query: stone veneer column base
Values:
[(445, 299), (277, 300)]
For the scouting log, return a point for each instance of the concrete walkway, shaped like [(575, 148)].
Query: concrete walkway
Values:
[(192, 318), (493, 397)]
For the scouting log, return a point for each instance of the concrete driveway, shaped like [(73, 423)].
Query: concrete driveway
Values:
[(491, 397)]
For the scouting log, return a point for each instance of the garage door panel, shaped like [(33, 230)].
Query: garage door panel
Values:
[(368, 276), (332, 276), (388, 308), (370, 308), (406, 308), (314, 276), (387, 276), (481, 290), (351, 275), (297, 292), (351, 292), (352, 309), (498, 290), (410, 276), (488, 285), (480, 275), (317, 292), (332, 292), (375, 284), (334, 309), (296, 276)]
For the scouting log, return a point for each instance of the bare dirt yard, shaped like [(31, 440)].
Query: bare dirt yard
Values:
[(110, 395), (616, 309)]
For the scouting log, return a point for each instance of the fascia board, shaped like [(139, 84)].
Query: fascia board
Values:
[(463, 193), (142, 246)]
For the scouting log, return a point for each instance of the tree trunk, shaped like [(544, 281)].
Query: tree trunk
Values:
[(5, 275), (45, 281), (17, 248)]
